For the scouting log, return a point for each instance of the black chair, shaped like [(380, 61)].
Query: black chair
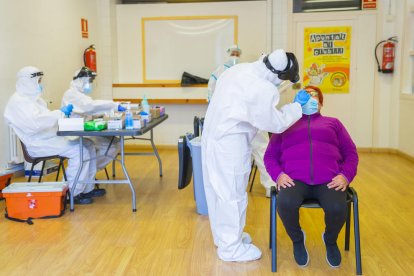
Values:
[(36, 160), (352, 198)]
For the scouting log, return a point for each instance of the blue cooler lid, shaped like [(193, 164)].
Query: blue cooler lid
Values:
[(26, 187)]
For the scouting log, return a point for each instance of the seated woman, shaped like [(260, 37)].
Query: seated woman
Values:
[(314, 159)]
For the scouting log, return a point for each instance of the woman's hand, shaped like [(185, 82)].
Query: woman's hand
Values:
[(284, 181), (339, 183)]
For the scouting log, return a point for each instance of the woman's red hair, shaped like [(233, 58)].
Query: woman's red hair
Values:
[(320, 95)]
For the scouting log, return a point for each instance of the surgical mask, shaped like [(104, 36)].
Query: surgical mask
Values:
[(311, 107), (40, 87), (87, 88), (234, 60)]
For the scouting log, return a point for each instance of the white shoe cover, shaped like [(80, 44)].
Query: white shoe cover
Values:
[(244, 253), (246, 238)]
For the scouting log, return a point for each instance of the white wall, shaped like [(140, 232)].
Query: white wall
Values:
[(406, 99), (45, 34), (252, 38)]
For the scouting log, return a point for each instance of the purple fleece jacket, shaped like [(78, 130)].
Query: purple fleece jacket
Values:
[(314, 150)]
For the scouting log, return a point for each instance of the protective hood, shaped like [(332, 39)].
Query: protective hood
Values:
[(290, 71), (78, 84), (81, 78), (265, 73), (27, 81)]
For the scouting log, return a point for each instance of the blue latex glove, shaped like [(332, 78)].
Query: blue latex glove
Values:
[(67, 109), (302, 97), (121, 108)]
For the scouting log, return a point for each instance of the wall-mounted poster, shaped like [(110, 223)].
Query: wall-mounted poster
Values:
[(327, 58)]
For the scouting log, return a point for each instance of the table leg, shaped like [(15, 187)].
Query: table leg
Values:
[(75, 181), (134, 205), (156, 153)]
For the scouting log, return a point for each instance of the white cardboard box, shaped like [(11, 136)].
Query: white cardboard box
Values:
[(70, 124)]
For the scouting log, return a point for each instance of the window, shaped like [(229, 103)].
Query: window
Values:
[(325, 5)]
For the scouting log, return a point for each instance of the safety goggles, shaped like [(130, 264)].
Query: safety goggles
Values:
[(313, 93), (37, 74)]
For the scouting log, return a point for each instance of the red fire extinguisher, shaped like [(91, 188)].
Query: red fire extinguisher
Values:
[(89, 57), (388, 55)]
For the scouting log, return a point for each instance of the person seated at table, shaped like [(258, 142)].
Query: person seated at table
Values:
[(36, 126), (80, 86), (314, 159)]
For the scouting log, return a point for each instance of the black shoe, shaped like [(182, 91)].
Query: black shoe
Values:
[(300, 253), (79, 199), (333, 255), (95, 193)]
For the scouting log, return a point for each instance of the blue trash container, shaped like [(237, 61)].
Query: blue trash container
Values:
[(199, 194)]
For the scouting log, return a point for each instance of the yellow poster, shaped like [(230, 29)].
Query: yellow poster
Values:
[(327, 58)]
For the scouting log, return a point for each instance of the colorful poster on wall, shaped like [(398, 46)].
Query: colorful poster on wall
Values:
[(327, 58)]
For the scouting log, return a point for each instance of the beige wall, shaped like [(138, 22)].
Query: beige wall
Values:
[(406, 129), (45, 34)]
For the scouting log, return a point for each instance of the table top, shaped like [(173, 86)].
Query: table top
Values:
[(116, 132)]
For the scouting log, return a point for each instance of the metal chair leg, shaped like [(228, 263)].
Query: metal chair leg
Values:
[(64, 171), (254, 176), (348, 226), (357, 237), (31, 172), (58, 172), (113, 168), (270, 222), (41, 172), (107, 175), (274, 232)]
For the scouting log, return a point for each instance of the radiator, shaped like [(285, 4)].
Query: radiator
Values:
[(15, 149)]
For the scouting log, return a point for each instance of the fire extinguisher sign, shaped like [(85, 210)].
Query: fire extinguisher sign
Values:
[(84, 28), (369, 4)]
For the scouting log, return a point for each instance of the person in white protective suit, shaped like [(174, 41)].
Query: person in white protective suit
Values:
[(244, 101), (80, 86), (36, 126), (234, 53), (261, 140)]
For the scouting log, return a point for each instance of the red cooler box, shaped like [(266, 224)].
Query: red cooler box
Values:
[(4, 181), (35, 200)]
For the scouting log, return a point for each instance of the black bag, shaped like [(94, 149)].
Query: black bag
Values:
[(187, 79), (185, 163)]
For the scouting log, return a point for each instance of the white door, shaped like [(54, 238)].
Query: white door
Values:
[(353, 109)]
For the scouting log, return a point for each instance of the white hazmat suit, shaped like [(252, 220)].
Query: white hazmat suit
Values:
[(85, 105), (261, 140), (36, 126), (244, 101)]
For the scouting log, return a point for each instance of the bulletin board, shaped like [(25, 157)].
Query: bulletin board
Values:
[(193, 44)]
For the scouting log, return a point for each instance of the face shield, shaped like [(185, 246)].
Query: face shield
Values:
[(85, 77), (291, 72)]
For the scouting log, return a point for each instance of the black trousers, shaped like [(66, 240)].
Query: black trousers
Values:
[(332, 202)]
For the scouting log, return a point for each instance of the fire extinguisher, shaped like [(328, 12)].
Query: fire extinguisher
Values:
[(388, 55), (89, 57)]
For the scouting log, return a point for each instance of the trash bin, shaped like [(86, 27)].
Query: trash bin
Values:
[(199, 194)]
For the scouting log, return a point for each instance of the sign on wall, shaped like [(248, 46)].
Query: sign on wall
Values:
[(327, 58), (369, 4), (84, 28)]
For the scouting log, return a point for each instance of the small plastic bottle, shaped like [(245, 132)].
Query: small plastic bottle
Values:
[(129, 121), (145, 105)]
